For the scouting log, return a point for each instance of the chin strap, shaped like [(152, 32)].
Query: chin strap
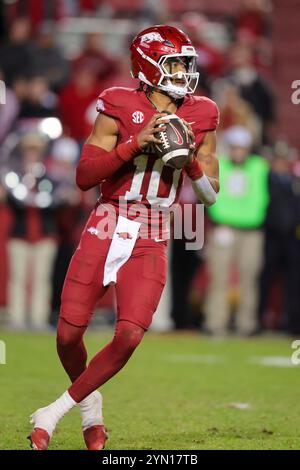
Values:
[(176, 92), (162, 88)]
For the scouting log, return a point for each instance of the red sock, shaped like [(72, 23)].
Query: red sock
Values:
[(108, 361), (71, 348)]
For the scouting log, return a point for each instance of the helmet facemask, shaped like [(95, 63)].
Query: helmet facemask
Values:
[(189, 77)]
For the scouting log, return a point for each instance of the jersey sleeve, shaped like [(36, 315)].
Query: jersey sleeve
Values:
[(108, 104), (206, 119), (207, 115), (213, 117)]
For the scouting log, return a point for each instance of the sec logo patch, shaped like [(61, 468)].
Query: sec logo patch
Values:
[(138, 117)]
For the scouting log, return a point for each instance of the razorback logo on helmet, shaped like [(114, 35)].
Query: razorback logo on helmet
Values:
[(150, 37), (138, 117)]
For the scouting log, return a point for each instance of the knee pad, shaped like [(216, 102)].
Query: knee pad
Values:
[(67, 334), (128, 336)]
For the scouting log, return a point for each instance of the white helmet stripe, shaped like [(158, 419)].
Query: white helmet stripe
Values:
[(147, 58)]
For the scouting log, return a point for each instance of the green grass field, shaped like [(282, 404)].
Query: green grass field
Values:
[(177, 392)]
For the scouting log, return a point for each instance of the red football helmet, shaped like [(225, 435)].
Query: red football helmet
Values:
[(151, 52)]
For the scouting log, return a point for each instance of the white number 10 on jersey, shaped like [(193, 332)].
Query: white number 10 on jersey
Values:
[(134, 194)]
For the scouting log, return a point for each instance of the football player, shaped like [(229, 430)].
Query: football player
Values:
[(118, 155)]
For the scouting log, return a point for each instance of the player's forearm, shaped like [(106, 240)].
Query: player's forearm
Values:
[(205, 187), (214, 182), (96, 164)]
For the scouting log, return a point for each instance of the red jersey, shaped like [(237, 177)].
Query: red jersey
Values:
[(145, 180)]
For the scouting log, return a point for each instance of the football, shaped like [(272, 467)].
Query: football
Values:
[(175, 142)]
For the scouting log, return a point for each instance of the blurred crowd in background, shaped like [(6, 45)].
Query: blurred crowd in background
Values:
[(55, 58)]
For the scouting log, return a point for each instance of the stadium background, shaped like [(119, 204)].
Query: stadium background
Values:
[(55, 58)]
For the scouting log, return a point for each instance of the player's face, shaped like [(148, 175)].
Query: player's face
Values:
[(177, 65), (179, 74)]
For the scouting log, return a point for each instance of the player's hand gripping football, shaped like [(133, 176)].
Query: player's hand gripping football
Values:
[(147, 134)]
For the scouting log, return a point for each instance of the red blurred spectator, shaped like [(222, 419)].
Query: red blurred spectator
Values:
[(252, 27), (36, 11), (122, 76), (96, 58), (235, 111), (210, 59), (251, 21), (77, 100), (88, 6)]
